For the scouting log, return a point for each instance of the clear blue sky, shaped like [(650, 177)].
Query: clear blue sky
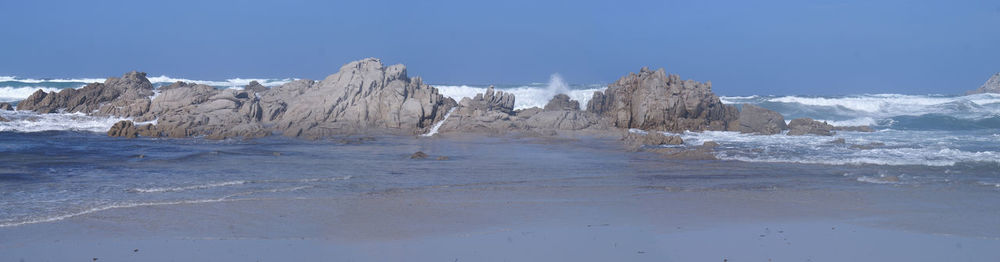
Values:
[(743, 47)]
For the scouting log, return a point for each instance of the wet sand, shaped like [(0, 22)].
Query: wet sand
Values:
[(507, 222)]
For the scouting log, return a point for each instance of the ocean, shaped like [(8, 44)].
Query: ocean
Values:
[(58, 166)]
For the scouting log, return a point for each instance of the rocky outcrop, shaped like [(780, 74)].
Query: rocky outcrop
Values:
[(124, 129), (562, 102), (808, 126), (6, 107), (363, 95), (759, 120), (992, 85), (127, 96), (490, 101), (652, 100), (492, 113), (183, 109), (636, 140), (255, 86), (366, 96), (563, 120)]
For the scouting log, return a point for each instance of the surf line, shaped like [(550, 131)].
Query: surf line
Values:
[(434, 129)]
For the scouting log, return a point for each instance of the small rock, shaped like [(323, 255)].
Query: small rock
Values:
[(839, 141), (867, 129), (636, 140), (442, 158), (276, 153), (419, 155), (868, 146), (6, 106), (710, 144), (808, 126), (3, 119)]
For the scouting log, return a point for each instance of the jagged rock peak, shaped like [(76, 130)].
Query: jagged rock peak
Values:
[(562, 102), (992, 85)]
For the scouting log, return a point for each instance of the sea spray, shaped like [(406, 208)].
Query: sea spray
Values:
[(528, 96)]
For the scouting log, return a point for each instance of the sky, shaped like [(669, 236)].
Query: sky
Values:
[(743, 47)]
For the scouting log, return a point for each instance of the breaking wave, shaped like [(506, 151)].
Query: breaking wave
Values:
[(891, 148), (896, 111), (23, 121), (527, 96)]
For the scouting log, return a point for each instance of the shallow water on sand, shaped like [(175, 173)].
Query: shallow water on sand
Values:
[(51, 176)]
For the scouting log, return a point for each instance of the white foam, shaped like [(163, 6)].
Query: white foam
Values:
[(861, 121), (637, 131), (24, 121), (36, 81), (901, 148), (525, 96), (886, 105), (990, 184), (11, 94), (186, 188), (109, 207), (231, 183), (231, 83), (738, 99), (876, 180), (434, 129)]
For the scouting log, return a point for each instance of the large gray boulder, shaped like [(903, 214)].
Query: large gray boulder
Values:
[(759, 120), (363, 95), (992, 85), (183, 109), (127, 96), (808, 126), (651, 100)]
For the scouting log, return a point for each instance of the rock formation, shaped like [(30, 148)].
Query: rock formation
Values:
[(6, 106), (562, 102), (808, 126), (255, 86), (992, 85), (124, 129), (492, 113), (364, 95), (759, 120), (636, 140), (127, 96), (651, 100)]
